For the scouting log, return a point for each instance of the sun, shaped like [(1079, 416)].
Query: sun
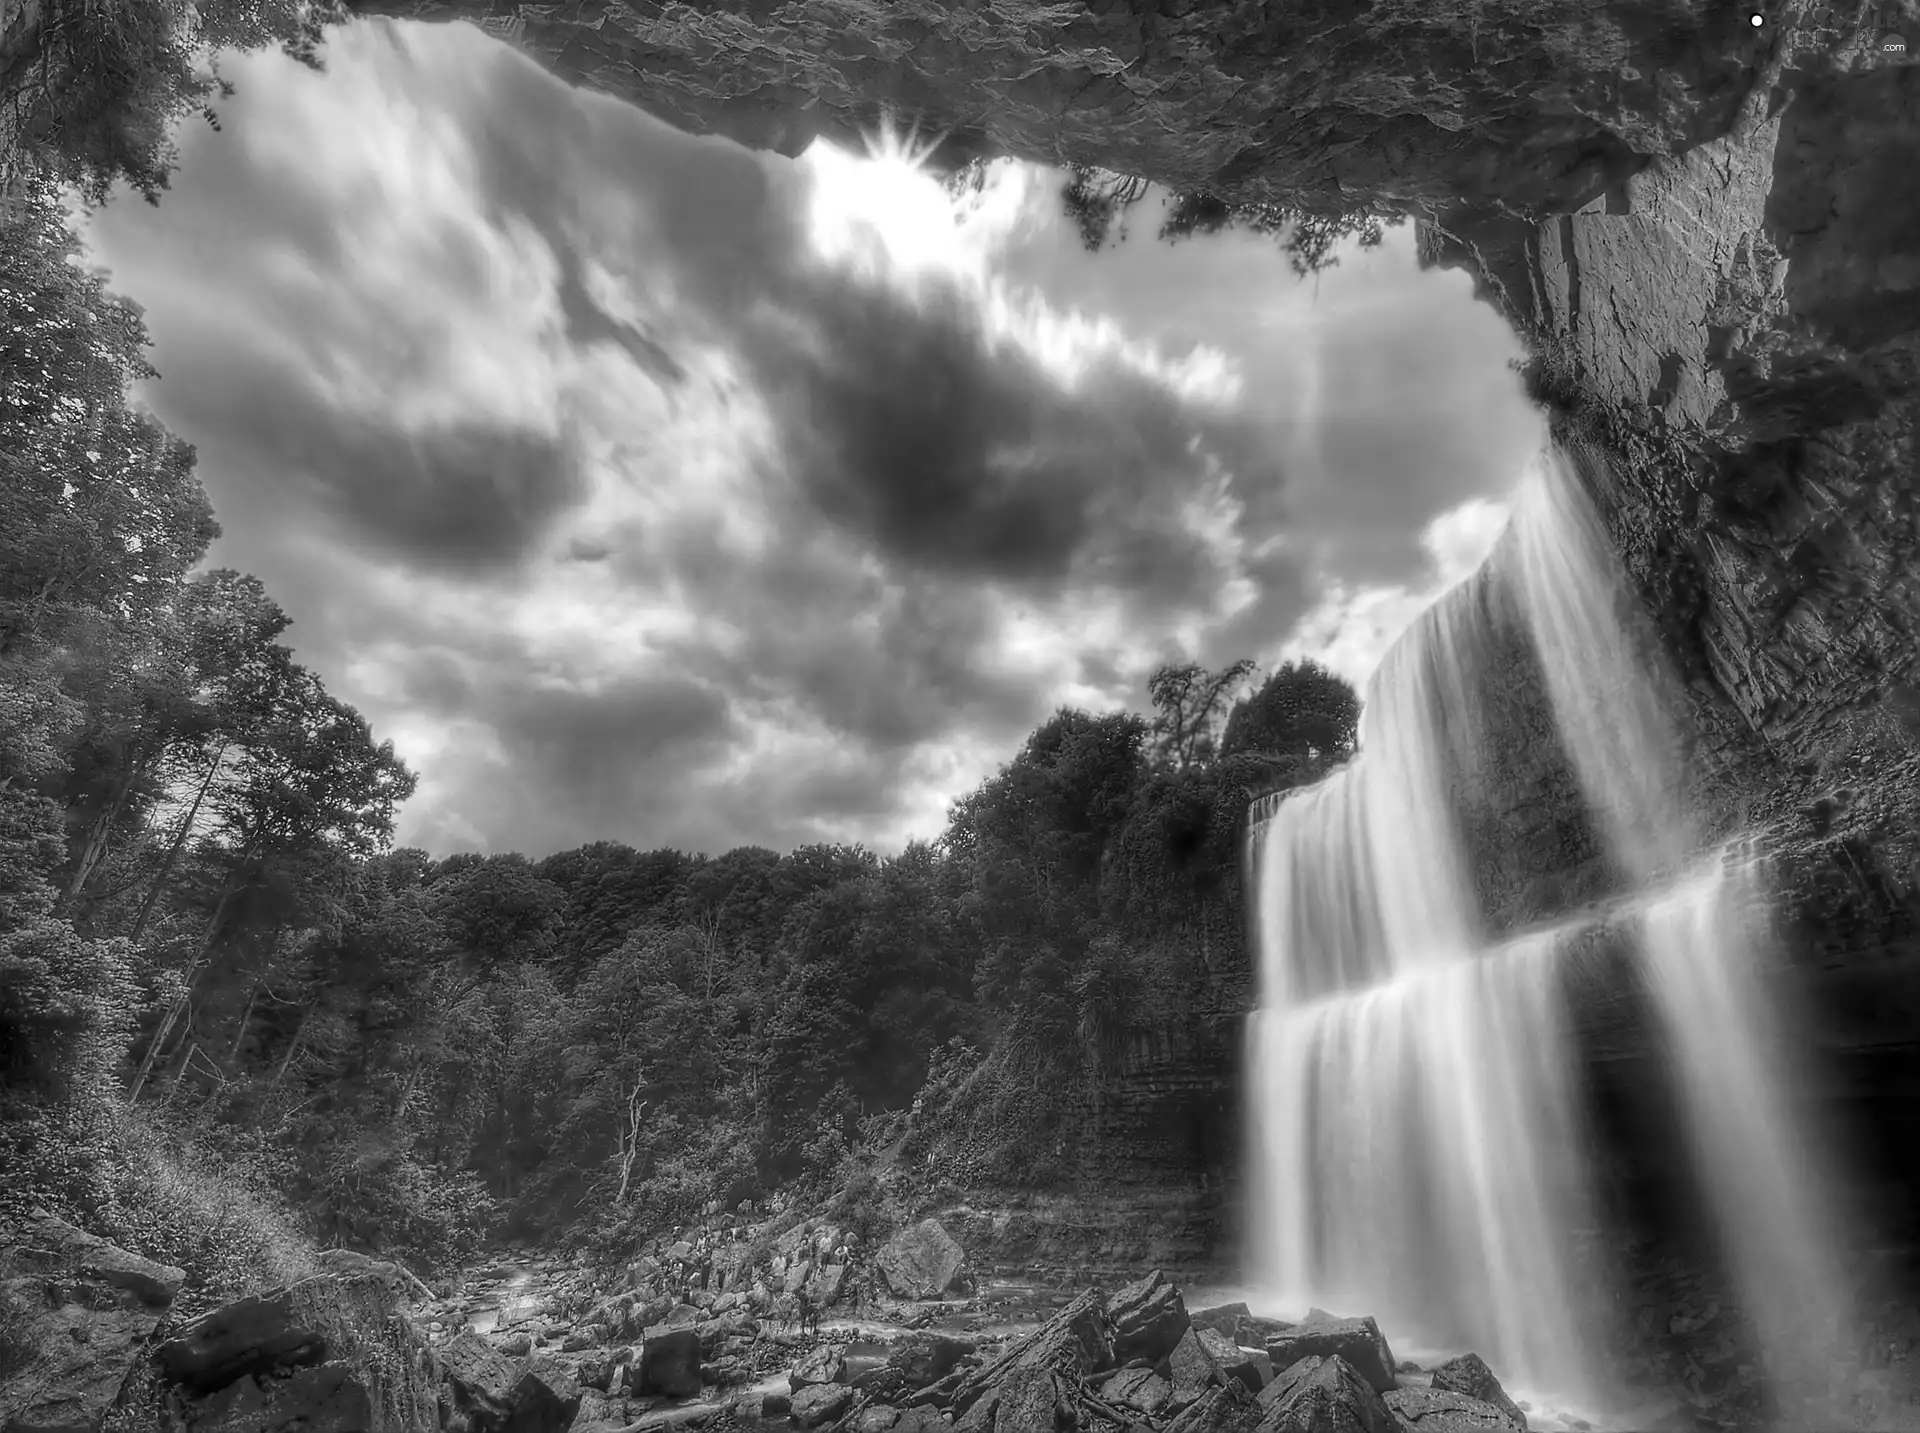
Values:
[(883, 209)]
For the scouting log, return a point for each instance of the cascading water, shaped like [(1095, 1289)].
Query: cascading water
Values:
[(1701, 939), (1418, 1143), (1416, 1125)]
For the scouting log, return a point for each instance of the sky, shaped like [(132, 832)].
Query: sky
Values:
[(643, 487)]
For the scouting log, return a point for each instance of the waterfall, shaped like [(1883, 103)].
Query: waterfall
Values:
[(1703, 943), (1418, 1141)]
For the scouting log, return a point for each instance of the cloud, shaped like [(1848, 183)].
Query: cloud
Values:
[(641, 486)]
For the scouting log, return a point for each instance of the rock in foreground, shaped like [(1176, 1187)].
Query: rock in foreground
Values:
[(1139, 1362), (1328, 1395), (1469, 1375), (1358, 1342), (75, 1316), (1433, 1410), (1149, 1319)]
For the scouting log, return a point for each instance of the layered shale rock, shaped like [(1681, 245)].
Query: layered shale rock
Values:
[(1540, 103)]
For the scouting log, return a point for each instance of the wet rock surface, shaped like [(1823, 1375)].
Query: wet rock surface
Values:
[(1357, 1342), (1468, 1375)]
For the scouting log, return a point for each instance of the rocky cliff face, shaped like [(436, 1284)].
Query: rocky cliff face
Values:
[(1538, 103)]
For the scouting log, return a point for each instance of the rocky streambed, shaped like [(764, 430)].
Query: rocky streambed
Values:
[(719, 1327)]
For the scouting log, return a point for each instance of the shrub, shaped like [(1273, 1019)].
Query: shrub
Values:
[(209, 1213)]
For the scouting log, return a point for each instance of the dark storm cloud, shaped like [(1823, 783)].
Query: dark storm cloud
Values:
[(963, 456), (576, 736), (902, 416), (466, 497)]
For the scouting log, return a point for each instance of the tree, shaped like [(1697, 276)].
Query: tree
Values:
[(98, 89), (100, 510), (1188, 708), (500, 911), (1302, 712), (1098, 201)]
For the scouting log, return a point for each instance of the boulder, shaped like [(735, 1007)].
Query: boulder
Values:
[(545, 1398), (826, 1364), (713, 1333), (355, 1320), (1139, 1389), (922, 1419), (484, 1391), (1468, 1374), (882, 1385), (1250, 1366), (826, 1285), (478, 1380), (1331, 1397), (1149, 1319), (1228, 1408), (768, 1405), (75, 1316), (924, 1358), (921, 1262), (1357, 1341), (796, 1277), (59, 1248), (1436, 1410), (1287, 1379), (1191, 1369), (326, 1398), (670, 1362), (877, 1419), (1234, 1320), (820, 1403), (1034, 1381)]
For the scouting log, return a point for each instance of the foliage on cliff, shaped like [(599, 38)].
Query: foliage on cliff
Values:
[(97, 86), (1100, 203)]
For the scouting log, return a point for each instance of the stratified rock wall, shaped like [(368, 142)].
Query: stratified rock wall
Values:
[(1543, 103)]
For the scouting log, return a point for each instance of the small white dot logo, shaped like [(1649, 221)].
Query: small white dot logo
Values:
[(1758, 21)]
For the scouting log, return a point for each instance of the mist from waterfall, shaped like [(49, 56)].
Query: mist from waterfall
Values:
[(1418, 1143)]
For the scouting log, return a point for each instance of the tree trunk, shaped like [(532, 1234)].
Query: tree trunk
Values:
[(293, 1048), (101, 837), (181, 1000), (627, 1142), (246, 1016), (173, 851)]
